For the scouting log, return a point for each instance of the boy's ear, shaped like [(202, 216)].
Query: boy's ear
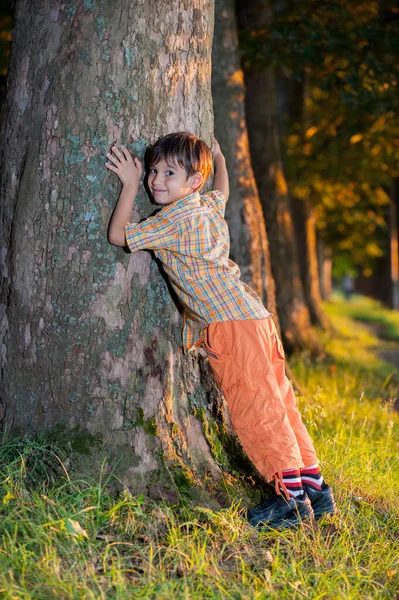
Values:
[(196, 180)]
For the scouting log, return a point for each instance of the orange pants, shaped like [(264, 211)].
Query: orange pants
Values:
[(247, 358)]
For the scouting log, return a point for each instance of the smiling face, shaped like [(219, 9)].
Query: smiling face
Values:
[(169, 182)]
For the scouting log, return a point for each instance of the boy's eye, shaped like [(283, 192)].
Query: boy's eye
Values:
[(152, 170), (169, 172)]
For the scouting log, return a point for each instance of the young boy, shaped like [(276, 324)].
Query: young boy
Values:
[(190, 236)]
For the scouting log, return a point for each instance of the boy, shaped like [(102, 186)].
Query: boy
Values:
[(190, 237)]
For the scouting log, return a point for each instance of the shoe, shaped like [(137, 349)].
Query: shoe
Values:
[(277, 512), (322, 501)]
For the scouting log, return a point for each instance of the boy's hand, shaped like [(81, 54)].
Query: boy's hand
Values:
[(216, 151), (221, 179), (128, 169)]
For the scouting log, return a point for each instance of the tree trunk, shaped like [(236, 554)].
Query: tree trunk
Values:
[(324, 261), (90, 338), (394, 254), (291, 97), (305, 235), (381, 283), (264, 141), (249, 244)]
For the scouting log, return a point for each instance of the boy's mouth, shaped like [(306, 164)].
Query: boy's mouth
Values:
[(155, 190)]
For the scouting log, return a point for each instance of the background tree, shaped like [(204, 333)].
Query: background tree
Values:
[(249, 243), (291, 95), (344, 160), (90, 337), (262, 120)]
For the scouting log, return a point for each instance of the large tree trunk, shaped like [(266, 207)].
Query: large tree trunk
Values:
[(249, 246), (249, 243), (264, 141), (90, 338)]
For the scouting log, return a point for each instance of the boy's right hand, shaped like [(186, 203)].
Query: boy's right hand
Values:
[(128, 169)]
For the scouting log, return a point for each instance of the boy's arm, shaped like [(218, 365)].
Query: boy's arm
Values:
[(221, 179), (129, 171)]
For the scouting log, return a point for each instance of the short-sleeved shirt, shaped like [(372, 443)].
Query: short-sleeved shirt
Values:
[(191, 239)]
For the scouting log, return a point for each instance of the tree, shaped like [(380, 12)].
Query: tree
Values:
[(265, 147), (249, 243), (292, 112), (345, 158), (90, 337)]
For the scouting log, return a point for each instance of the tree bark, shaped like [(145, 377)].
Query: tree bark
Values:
[(249, 244), (305, 235), (90, 338), (265, 148), (291, 97)]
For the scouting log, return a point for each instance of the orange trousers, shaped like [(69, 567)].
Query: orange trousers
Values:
[(247, 359)]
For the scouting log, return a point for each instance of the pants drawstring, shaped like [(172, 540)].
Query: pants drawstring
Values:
[(279, 483)]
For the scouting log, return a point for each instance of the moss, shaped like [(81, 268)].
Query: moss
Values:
[(77, 438), (199, 412), (139, 420), (213, 433), (184, 481), (150, 426)]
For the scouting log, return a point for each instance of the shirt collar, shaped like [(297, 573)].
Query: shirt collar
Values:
[(179, 203)]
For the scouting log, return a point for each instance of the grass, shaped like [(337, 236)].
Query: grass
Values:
[(72, 540)]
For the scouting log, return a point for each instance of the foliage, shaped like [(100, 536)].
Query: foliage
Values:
[(342, 148)]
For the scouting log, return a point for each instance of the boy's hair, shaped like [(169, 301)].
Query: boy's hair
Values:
[(186, 149)]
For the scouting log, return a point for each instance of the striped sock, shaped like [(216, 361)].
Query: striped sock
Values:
[(292, 481), (312, 476)]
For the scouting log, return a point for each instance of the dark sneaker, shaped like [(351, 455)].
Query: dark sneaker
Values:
[(322, 501), (279, 513)]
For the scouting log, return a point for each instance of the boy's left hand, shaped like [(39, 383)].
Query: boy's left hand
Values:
[(216, 151), (128, 169)]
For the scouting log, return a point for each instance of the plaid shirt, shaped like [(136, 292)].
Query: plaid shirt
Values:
[(191, 239)]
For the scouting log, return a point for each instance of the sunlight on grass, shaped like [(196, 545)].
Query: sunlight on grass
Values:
[(73, 540)]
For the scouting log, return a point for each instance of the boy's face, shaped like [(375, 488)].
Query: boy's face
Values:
[(169, 182)]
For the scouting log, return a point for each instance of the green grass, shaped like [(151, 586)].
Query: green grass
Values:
[(73, 540)]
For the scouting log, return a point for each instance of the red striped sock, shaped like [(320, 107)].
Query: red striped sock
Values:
[(312, 477), (293, 483)]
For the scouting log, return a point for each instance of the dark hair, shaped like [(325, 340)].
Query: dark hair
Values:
[(186, 149)]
